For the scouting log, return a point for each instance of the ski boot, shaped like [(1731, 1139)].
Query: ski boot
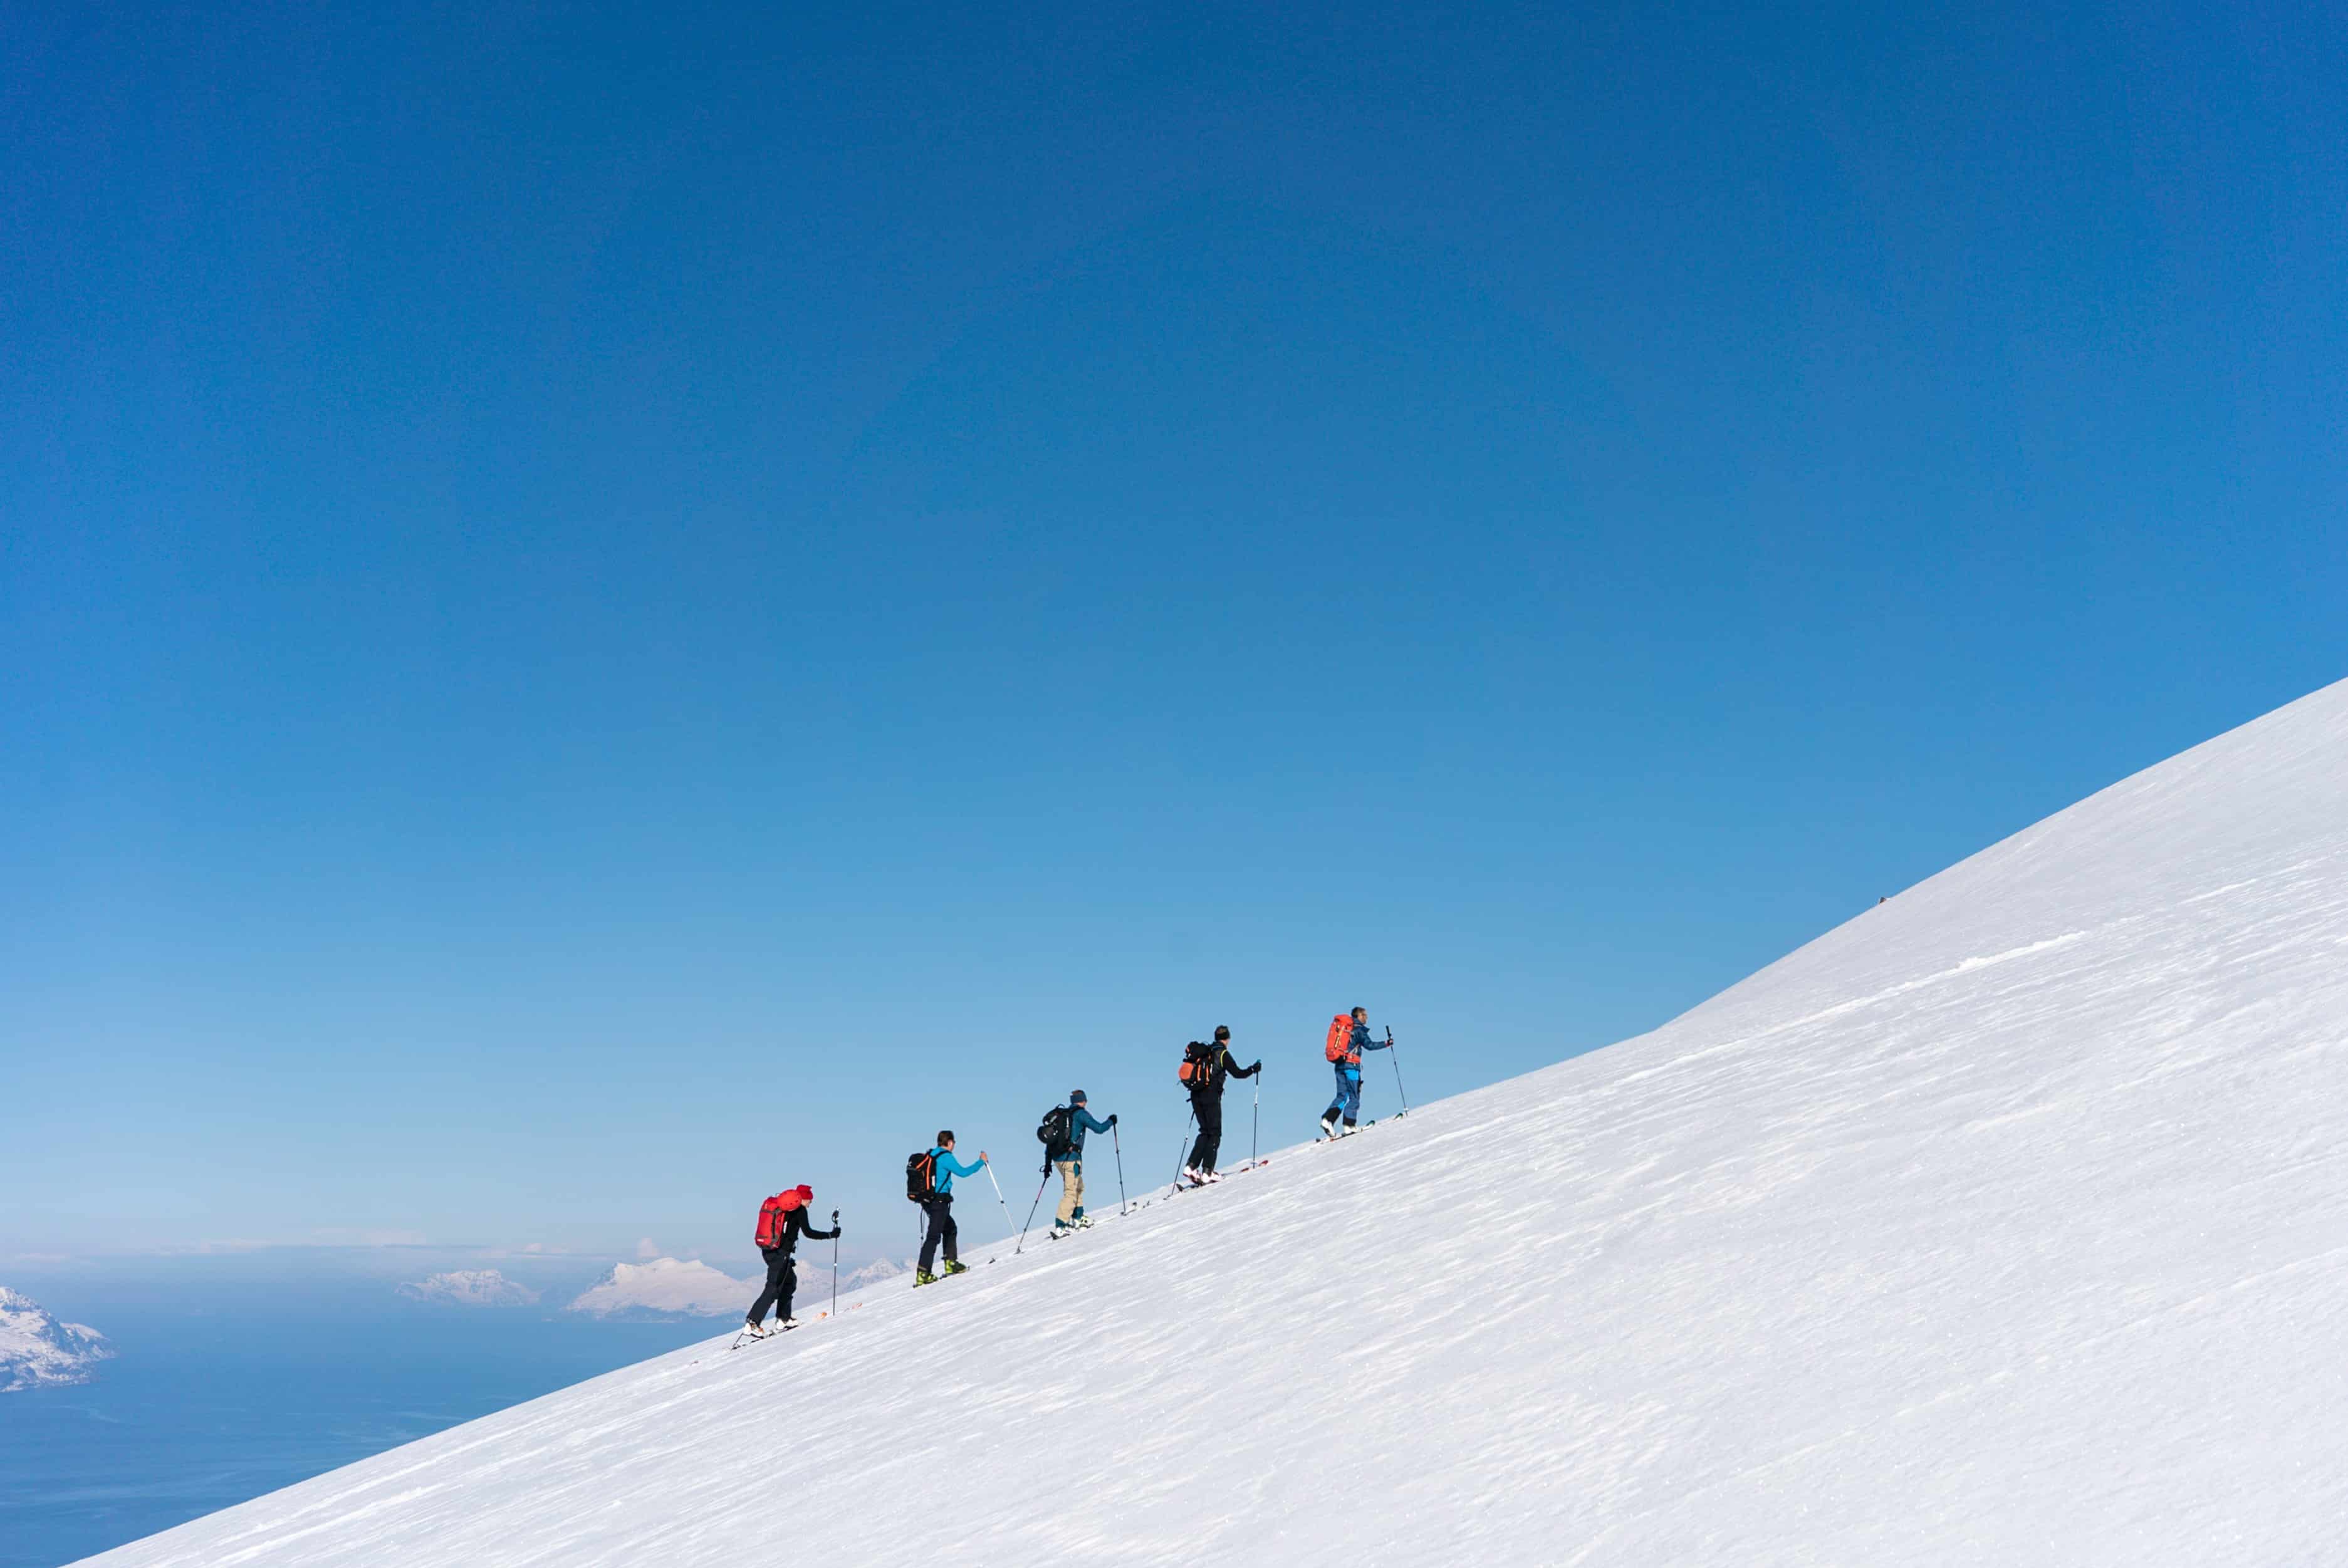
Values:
[(923, 1277), (1329, 1125), (952, 1266)]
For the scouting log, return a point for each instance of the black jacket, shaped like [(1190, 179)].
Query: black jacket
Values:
[(1219, 1066), (796, 1227)]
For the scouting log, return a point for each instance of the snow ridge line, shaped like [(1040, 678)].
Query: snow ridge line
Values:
[(1940, 976)]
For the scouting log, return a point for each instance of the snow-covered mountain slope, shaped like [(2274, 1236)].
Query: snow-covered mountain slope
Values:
[(36, 1351), (2006, 1223)]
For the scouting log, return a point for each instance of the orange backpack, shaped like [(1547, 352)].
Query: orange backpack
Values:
[(1341, 1038), (775, 1218), (1197, 1069)]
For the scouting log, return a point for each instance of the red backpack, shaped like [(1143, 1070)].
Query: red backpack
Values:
[(775, 1218), (1341, 1038)]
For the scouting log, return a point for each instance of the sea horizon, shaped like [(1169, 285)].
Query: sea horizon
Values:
[(226, 1392)]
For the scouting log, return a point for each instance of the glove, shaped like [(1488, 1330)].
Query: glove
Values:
[(1112, 1118), (1257, 1068)]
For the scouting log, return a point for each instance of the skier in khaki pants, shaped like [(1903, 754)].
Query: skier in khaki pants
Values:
[(1071, 1165)]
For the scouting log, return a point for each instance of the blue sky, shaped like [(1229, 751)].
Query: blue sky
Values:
[(605, 612)]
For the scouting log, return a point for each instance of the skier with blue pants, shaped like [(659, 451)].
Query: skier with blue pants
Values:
[(1348, 1101)]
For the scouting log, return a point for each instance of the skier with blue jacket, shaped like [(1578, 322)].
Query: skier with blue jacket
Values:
[(1071, 1165), (939, 1208), (1344, 1053)]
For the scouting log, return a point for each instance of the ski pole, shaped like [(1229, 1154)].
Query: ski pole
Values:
[(1178, 1147), (1113, 1144), (1033, 1207), (998, 1198), (1255, 1117), (834, 1263), (1396, 1057)]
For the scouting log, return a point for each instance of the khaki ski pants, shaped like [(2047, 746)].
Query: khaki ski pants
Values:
[(1072, 1187)]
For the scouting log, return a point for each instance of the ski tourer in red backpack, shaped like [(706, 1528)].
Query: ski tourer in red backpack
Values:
[(1349, 1036), (782, 1221)]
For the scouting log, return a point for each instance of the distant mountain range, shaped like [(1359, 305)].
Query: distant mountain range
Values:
[(471, 1288), (669, 1287), (665, 1288), (871, 1274), (37, 1352)]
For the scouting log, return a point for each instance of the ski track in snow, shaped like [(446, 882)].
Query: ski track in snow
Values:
[(2002, 1225)]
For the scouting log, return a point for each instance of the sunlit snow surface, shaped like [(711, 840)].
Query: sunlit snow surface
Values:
[(2003, 1224)]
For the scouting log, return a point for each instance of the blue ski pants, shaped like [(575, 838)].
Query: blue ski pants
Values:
[(1349, 1093)]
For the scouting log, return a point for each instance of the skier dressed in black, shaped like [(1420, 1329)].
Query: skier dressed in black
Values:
[(781, 1224), (1212, 1065)]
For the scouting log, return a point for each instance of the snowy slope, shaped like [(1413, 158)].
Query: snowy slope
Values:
[(2006, 1223), (36, 1351)]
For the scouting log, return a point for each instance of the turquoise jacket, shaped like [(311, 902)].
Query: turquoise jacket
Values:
[(946, 1168)]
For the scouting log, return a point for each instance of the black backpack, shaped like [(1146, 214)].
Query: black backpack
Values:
[(1053, 1132), (1199, 1063), (922, 1176)]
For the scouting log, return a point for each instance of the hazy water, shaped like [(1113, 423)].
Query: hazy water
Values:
[(202, 1409)]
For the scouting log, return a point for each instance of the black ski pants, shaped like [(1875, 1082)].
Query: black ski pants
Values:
[(1208, 1110), (939, 1207), (782, 1283)]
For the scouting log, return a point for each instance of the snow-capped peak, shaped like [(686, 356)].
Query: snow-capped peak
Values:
[(668, 1288), (471, 1288), (873, 1272), (39, 1351)]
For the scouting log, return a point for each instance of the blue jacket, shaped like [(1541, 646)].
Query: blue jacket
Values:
[(946, 1168), (1359, 1043), (1081, 1120)]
